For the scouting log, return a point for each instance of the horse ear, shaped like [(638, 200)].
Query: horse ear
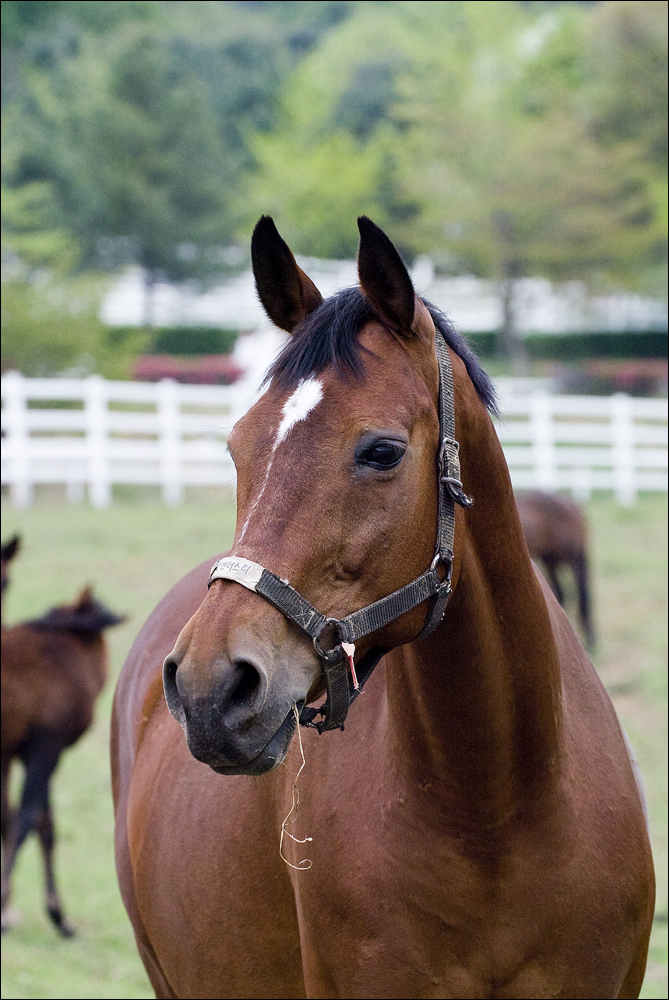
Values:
[(10, 548), (85, 598), (384, 278), (286, 292)]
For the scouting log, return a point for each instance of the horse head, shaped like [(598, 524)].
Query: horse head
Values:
[(85, 616), (8, 551), (337, 495)]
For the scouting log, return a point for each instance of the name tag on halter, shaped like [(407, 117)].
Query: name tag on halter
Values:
[(240, 570)]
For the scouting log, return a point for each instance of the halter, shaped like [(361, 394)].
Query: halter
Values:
[(341, 684)]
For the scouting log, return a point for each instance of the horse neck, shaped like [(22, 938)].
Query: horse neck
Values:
[(478, 702)]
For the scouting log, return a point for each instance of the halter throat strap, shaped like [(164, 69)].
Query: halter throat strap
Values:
[(430, 585)]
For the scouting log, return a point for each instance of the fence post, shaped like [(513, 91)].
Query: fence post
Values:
[(95, 406), (622, 446), (543, 448), (18, 439), (581, 487), (169, 412)]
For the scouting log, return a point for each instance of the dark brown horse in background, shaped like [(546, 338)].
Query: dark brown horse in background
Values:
[(8, 551), (53, 669), (556, 533), (477, 829)]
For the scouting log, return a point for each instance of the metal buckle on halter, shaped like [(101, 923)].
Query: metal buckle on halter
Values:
[(440, 595), (451, 462), (445, 441)]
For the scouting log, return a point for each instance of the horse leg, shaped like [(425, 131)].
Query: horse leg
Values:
[(45, 831), (580, 568), (4, 794), (553, 579), (34, 813), (8, 917), (17, 828)]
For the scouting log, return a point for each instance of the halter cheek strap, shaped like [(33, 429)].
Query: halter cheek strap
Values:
[(341, 690)]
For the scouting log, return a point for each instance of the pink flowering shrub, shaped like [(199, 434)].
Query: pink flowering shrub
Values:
[(604, 376), (203, 369)]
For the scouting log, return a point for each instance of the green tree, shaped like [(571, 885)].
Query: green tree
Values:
[(508, 139), (136, 116), (125, 134), (513, 173), (484, 134), (131, 151), (31, 237), (332, 154)]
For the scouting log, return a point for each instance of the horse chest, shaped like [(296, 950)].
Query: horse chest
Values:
[(408, 902), (440, 937)]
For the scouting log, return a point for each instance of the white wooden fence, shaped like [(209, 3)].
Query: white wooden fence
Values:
[(90, 434), (585, 443)]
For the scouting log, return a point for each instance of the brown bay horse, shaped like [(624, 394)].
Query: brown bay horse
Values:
[(556, 534), (8, 551), (476, 829), (53, 669)]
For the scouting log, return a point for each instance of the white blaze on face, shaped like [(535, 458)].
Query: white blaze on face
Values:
[(296, 408)]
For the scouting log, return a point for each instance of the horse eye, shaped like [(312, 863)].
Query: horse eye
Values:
[(381, 454)]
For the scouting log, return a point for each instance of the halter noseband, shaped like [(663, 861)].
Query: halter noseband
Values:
[(341, 688)]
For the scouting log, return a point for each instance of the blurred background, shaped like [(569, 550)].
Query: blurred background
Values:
[(516, 153), (520, 144)]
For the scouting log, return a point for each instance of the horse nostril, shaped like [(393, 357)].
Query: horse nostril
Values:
[(238, 690), (248, 683), (172, 696)]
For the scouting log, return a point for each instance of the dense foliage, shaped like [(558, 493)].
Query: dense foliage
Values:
[(504, 139)]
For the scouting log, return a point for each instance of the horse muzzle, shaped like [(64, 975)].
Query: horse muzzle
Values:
[(240, 720)]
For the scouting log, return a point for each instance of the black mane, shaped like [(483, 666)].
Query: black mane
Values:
[(89, 618), (329, 336)]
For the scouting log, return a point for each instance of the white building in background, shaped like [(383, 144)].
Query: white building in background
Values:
[(471, 303)]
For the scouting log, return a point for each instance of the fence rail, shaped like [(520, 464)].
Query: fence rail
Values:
[(91, 434), (585, 443)]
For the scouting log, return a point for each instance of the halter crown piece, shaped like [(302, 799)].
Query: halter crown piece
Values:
[(342, 687)]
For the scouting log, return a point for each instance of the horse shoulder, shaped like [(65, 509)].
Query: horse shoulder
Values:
[(597, 756), (589, 715), (163, 798), (138, 699), (138, 693)]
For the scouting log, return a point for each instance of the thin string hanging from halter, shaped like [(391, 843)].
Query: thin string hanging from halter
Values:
[(305, 863)]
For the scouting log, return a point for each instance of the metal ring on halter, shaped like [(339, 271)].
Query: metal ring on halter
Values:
[(451, 481), (324, 652), (449, 568)]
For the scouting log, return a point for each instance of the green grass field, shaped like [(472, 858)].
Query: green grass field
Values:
[(132, 553)]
